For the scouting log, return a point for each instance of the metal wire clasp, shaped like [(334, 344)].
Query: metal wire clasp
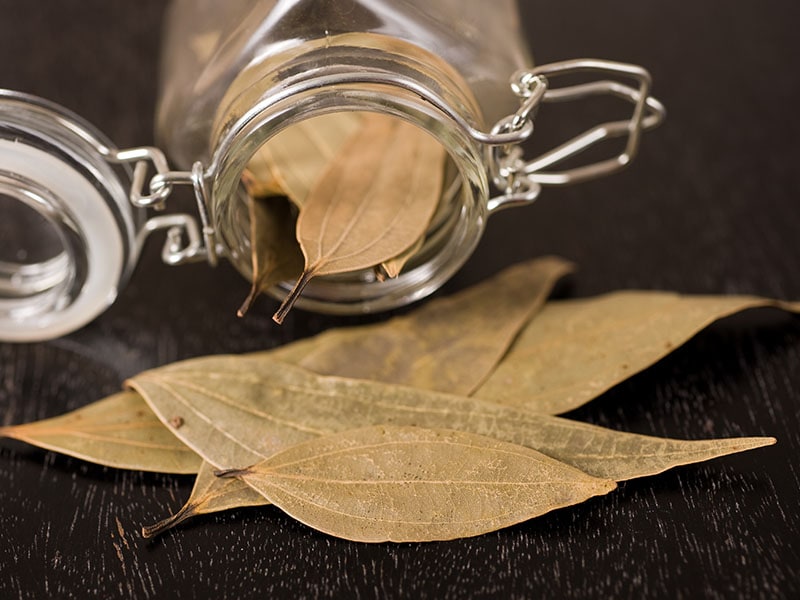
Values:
[(183, 243), (521, 180)]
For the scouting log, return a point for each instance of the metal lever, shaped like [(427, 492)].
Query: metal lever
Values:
[(522, 180)]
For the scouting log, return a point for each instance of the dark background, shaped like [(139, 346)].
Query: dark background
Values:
[(710, 206)]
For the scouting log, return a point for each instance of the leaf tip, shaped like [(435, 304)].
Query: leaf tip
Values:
[(735, 445)]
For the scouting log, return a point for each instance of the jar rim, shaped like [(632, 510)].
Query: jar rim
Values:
[(360, 83)]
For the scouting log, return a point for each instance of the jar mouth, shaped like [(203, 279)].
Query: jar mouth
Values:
[(456, 228)]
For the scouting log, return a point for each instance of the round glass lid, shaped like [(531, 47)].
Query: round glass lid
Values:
[(67, 231)]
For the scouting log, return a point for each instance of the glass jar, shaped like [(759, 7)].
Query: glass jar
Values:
[(234, 75)]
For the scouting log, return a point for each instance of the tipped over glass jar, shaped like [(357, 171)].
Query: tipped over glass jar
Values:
[(236, 76)]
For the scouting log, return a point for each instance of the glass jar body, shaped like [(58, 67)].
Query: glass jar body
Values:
[(235, 75), (207, 44), (243, 72)]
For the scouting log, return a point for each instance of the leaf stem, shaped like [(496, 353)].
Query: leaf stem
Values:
[(186, 512), (289, 301), (231, 473), (248, 301)]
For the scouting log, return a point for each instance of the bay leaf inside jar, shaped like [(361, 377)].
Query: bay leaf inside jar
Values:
[(395, 181)]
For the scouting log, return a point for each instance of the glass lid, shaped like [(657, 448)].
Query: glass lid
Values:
[(67, 230)]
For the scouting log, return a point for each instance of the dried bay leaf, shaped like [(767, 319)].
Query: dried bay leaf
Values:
[(620, 456), (276, 254), (372, 203), (240, 410), (120, 431), (292, 161), (409, 484), (390, 269), (450, 344), (466, 333), (574, 350), (257, 187), (210, 494)]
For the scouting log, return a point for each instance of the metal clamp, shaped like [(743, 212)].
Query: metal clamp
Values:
[(521, 180), (176, 251), (160, 186)]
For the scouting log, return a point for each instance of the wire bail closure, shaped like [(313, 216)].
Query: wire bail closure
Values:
[(521, 180), (184, 243)]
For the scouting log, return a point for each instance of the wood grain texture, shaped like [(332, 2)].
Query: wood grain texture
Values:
[(709, 206)]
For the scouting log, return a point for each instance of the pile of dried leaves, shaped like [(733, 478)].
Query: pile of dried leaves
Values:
[(431, 426), (340, 193)]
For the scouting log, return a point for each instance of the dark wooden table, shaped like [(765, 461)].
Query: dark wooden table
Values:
[(710, 206)]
